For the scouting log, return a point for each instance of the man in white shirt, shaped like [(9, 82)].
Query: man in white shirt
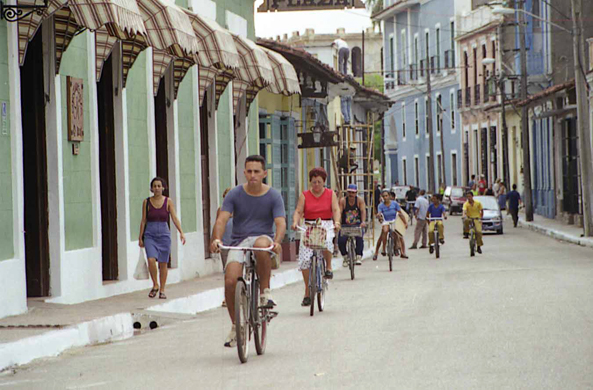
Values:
[(343, 55), (421, 227)]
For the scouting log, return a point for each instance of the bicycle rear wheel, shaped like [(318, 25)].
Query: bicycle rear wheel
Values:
[(313, 283), (323, 283), (259, 318), (437, 244), (390, 250), (351, 256), (242, 324)]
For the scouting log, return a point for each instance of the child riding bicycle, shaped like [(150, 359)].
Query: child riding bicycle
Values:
[(436, 210), (472, 209)]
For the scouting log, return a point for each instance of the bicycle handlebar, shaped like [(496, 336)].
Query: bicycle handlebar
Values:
[(240, 248)]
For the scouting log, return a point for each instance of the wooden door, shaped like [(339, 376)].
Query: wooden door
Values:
[(205, 158), (35, 170), (107, 172), (162, 152)]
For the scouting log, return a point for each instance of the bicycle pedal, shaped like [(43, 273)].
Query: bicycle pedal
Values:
[(272, 314)]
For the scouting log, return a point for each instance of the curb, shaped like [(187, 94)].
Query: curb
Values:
[(121, 326), (111, 328), (556, 234)]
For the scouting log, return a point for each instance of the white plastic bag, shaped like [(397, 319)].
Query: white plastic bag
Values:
[(141, 272)]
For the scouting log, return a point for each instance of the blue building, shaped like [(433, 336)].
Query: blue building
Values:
[(419, 38)]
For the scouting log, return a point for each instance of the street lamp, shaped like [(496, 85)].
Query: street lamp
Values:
[(13, 13)]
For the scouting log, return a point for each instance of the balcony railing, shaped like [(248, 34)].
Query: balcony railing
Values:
[(449, 59), (468, 97), (432, 65), (422, 67), (400, 78), (487, 94), (459, 98), (478, 94)]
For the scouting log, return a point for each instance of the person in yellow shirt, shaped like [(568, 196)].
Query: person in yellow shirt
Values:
[(472, 209)]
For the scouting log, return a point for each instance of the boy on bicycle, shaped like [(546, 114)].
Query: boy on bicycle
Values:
[(436, 210), (472, 209)]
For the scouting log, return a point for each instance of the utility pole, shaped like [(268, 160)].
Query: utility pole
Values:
[(430, 169), (505, 130), (443, 172), (527, 196), (583, 117)]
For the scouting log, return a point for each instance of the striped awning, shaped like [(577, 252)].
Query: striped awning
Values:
[(172, 37), (254, 74), (112, 19), (216, 46), (209, 75), (286, 81)]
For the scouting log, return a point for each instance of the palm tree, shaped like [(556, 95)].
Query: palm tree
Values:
[(375, 6)]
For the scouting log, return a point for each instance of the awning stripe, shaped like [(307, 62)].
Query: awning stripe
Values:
[(168, 28), (209, 75), (121, 17), (286, 81), (103, 47), (216, 46), (255, 71)]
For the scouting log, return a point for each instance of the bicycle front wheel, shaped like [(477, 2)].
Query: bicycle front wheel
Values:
[(259, 318), (437, 245), (472, 244), (321, 291), (390, 251), (351, 257), (242, 324), (313, 284)]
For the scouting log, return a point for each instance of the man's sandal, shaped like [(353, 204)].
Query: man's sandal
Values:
[(153, 292)]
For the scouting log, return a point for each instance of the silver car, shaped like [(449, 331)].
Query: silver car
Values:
[(492, 221)]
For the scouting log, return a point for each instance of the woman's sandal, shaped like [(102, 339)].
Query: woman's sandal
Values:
[(306, 301), (383, 253), (404, 256), (153, 292), (374, 257), (162, 296)]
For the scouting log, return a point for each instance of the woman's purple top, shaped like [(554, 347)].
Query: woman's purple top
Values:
[(157, 215)]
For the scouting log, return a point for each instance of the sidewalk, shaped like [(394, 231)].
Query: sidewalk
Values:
[(555, 229), (48, 329)]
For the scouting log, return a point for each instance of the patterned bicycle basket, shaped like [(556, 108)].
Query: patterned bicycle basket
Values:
[(351, 231), (315, 237)]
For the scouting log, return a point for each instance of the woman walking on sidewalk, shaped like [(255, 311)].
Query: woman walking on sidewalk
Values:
[(155, 235)]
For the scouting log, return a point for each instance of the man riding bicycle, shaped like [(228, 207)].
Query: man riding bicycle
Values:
[(256, 208), (472, 209), (436, 210), (354, 213)]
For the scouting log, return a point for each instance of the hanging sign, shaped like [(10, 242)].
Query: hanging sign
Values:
[(308, 5)]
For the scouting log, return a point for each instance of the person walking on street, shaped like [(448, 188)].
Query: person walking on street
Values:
[(155, 235), (514, 199), (482, 185), (501, 195), (354, 213), (421, 226), (256, 208), (472, 183)]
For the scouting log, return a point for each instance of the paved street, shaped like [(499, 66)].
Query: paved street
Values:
[(517, 317)]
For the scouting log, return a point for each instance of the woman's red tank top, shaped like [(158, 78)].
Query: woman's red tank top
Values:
[(318, 207)]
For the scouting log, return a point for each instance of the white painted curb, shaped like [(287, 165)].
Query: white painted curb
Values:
[(111, 328)]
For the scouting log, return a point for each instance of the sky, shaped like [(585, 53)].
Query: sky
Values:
[(271, 24)]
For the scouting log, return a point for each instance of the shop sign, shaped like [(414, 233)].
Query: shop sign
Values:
[(308, 5)]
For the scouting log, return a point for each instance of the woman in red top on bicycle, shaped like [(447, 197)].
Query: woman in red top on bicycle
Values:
[(317, 202)]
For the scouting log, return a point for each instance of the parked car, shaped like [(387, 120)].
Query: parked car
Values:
[(492, 221), (454, 198)]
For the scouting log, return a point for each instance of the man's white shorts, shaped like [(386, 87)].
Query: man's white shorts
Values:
[(249, 242)]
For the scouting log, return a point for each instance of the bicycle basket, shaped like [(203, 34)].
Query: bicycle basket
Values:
[(351, 231), (315, 237)]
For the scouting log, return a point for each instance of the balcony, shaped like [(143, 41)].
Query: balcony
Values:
[(449, 59), (478, 94), (468, 97), (422, 67), (433, 65), (401, 80), (487, 94), (459, 98)]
